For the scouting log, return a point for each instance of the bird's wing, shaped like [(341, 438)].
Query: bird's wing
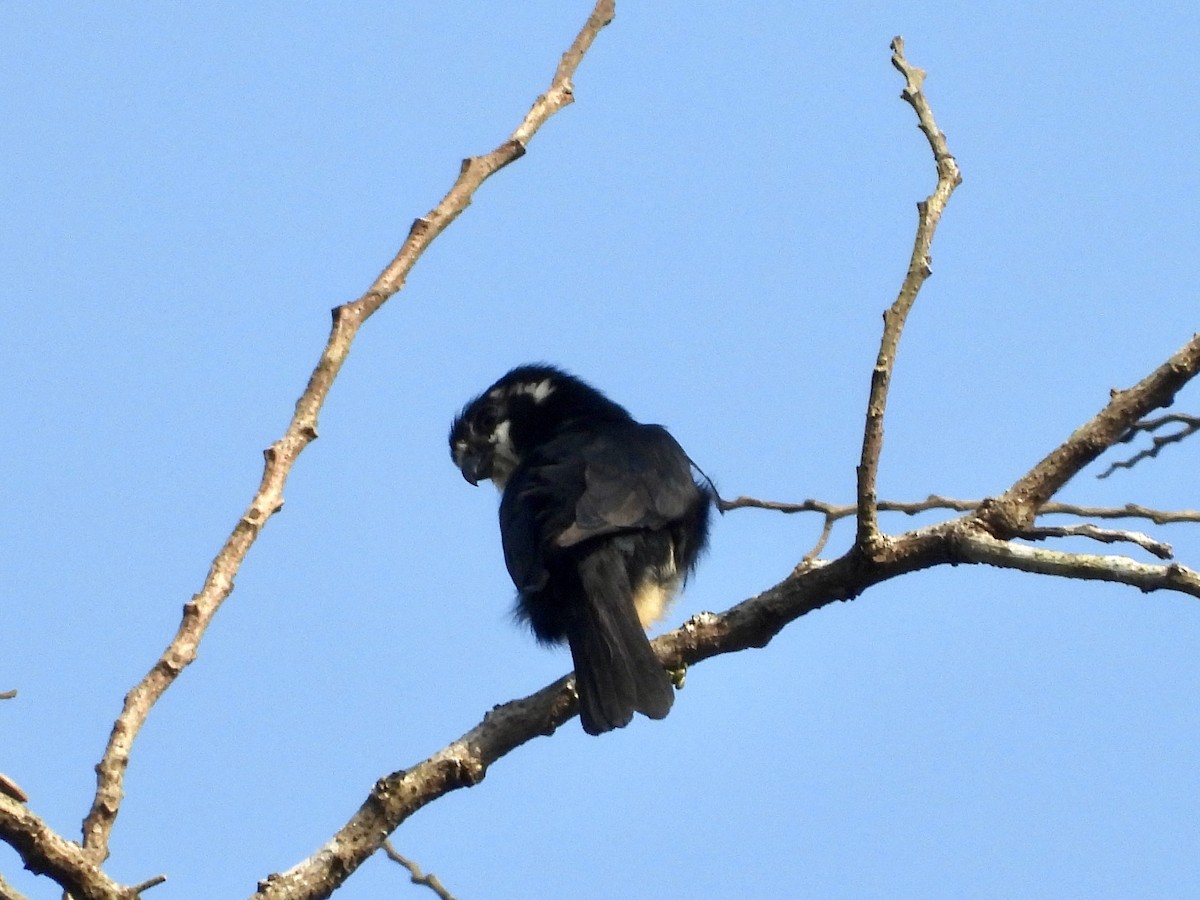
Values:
[(632, 478), (521, 538), (538, 503)]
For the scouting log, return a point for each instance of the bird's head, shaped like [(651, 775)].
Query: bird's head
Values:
[(525, 408)]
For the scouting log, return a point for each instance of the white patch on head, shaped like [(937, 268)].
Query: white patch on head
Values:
[(504, 455), (539, 391), (460, 447)]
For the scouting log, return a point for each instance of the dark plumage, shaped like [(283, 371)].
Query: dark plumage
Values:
[(601, 521)]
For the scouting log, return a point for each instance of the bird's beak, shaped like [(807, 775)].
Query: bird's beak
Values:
[(474, 467)]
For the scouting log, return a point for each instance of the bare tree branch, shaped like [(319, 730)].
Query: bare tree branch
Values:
[(44, 852), (978, 547), (971, 538), (139, 889), (10, 788), (1128, 511), (1018, 506), (301, 431), (1104, 535), (752, 623), (811, 556), (980, 536), (929, 214), (8, 892), (397, 796), (415, 874), (1191, 424), (836, 511), (830, 510)]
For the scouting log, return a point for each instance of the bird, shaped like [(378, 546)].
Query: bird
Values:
[(601, 522)]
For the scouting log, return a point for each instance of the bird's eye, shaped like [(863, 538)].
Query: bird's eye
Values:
[(488, 419)]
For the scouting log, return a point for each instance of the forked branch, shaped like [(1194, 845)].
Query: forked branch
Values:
[(301, 431), (45, 852), (834, 512), (929, 213), (980, 536), (1189, 425), (415, 875), (752, 623), (1016, 509)]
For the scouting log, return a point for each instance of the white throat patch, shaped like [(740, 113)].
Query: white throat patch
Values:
[(504, 455)]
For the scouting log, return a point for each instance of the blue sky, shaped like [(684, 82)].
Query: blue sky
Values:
[(710, 234)]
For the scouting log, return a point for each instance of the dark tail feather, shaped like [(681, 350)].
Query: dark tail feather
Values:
[(616, 671)]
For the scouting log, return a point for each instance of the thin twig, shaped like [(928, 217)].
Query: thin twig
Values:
[(1191, 424), (811, 556), (834, 512), (1104, 535), (148, 883), (1128, 511), (10, 788), (829, 509), (840, 511), (414, 872), (1146, 426), (919, 268), (301, 431)]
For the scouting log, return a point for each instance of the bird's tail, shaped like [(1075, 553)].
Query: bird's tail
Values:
[(616, 671)]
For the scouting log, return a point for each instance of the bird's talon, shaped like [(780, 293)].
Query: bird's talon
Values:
[(678, 677)]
